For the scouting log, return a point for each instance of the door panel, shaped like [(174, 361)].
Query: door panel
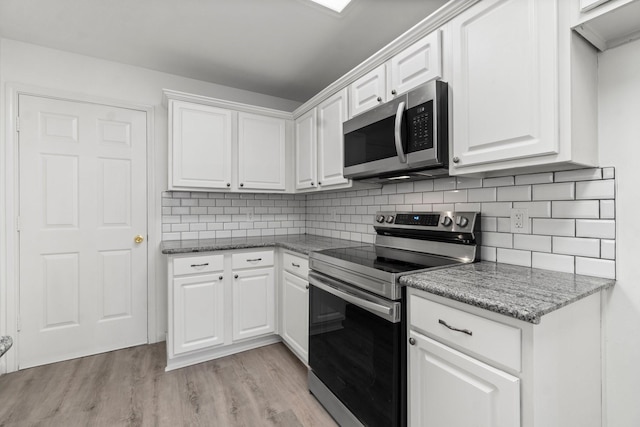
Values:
[(83, 279)]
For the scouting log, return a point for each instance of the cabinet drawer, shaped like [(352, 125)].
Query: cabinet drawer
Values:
[(296, 265), (252, 259), (494, 340), (198, 264)]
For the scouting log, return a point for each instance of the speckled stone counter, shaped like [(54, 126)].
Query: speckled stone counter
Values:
[(524, 293), (5, 344), (301, 243)]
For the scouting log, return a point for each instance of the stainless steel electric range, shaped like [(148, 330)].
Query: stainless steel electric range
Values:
[(357, 330)]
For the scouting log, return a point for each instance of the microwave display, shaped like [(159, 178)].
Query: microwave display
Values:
[(420, 127)]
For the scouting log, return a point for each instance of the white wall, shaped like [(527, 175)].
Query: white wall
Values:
[(32, 65), (619, 141)]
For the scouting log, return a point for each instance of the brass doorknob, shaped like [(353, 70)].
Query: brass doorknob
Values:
[(138, 239)]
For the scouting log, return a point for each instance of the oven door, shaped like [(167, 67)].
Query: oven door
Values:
[(356, 347)]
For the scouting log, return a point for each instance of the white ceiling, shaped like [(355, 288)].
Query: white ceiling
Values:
[(286, 48)]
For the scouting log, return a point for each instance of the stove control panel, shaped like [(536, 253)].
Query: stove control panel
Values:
[(444, 221)]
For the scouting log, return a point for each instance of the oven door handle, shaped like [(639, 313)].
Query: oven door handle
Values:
[(402, 156), (390, 313)]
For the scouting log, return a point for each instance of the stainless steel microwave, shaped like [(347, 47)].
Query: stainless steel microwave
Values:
[(406, 138)]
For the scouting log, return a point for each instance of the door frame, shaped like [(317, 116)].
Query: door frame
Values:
[(9, 198)]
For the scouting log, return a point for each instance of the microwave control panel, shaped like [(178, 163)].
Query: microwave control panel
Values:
[(420, 127)]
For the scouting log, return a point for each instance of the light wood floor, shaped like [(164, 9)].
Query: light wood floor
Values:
[(262, 387)]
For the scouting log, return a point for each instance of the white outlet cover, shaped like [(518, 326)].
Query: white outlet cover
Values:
[(520, 223)]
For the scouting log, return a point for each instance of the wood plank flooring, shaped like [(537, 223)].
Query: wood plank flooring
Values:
[(261, 387)]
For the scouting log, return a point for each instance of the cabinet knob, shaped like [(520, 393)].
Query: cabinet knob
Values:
[(379, 99), (306, 287), (228, 184), (235, 276), (312, 184), (393, 92), (319, 183), (456, 159), (219, 277), (241, 184), (412, 341)]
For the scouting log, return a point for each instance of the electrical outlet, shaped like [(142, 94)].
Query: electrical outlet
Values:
[(520, 221)]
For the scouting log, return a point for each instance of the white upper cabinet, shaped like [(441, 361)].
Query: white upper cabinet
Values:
[(305, 132), (368, 91), (522, 91), (200, 146), (607, 23), (417, 64), (330, 140), (261, 152)]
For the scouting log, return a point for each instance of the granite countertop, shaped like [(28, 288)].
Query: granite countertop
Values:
[(520, 292), (301, 243), (5, 344)]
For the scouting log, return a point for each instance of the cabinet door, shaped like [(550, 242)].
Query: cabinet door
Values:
[(253, 303), (295, 314), (331, 114), (368, 91), (200, 155), (198, 309), (504, 81), (449, 388), (306, 151), (261, 152), (417, 64)]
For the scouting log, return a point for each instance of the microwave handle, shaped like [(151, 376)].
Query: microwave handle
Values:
[(398, 135)]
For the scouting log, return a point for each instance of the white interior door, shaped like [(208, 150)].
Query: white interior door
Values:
[(83, 277)]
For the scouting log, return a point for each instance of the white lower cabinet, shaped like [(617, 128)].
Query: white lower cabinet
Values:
[(219, 305), (449, 388), (294, 305), (472, 367)]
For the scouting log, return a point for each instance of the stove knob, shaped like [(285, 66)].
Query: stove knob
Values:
[(462, 221), (380, 219), (446, 221), (390, 219)]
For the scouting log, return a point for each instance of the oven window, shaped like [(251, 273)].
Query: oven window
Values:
[(357, 355), (373, 142)]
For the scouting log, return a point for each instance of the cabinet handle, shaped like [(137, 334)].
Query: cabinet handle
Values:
[(412, 341), (393, 92), (235, 276), (254, 260), (464, 331), (456, 159), (295, 265), (199, 265), (219, 277), (379, 99)]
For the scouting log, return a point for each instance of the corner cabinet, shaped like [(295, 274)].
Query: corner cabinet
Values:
[(523, 88), (220, 145), (320, 145), (469, 366)]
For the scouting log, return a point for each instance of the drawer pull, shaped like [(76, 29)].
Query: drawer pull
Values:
[(295, 265), (254, 260), (464, 331), (199, 265)]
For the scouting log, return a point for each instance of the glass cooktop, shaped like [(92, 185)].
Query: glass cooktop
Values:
[(369, 256)]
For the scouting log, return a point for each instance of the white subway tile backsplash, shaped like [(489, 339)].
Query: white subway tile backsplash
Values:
[(554, 227), (578, 175), (521, 193), (499, 240), (482, 195), (498, 182), (608, 173), (455, 196), (504, 225), (433, 197), (488, 253), (576, 246), (596, 267), (603, 229), (535, 209), (405, 187), (413, 198), (608, 249), (423, 186), (468, 207), (562, 191), (514, 257), (537, 178), (595, 189), (575, 209), (488, 223), (532, 242), (441, 184), (464, 182), (563, 263), (497, 209)]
